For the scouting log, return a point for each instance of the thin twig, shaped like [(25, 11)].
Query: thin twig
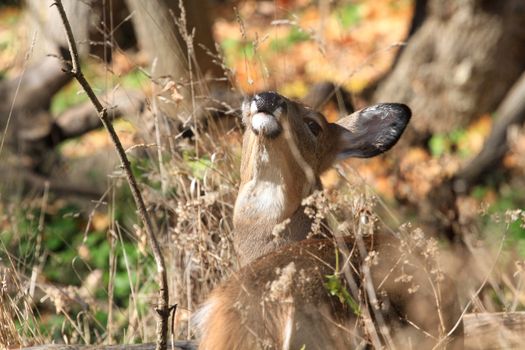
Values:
[(163, 308)]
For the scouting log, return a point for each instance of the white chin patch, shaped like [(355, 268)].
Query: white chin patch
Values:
[(265, 124)]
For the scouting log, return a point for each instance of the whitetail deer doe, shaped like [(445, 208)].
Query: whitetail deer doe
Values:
[(279, 299)]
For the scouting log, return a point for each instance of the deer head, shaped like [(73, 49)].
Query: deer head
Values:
[(286, 146)]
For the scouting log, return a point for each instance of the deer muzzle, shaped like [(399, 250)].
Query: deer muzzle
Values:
[(264, 112)]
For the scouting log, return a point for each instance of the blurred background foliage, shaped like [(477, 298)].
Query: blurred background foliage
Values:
[(73, 260)]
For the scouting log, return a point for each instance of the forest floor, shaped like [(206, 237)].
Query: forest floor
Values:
[(71, 271)]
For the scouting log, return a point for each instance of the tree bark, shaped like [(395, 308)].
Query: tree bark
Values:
[(97, 25), (441, 213), (45, 23), (510, 112), (418, 18), (25, 100), (24, 110), (180, 66), (459, 64), (160, 36)]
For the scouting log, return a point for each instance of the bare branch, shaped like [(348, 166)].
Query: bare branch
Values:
[(163, 308)]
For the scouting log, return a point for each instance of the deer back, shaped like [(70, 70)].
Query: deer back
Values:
[(283, 300)]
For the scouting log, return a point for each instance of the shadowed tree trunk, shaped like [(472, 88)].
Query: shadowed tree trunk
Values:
[(91, 22), (440, 211), (178, 44), (44, 22), (31, 131), (418, 18), (26, 99), (161, 38), (459, 64)]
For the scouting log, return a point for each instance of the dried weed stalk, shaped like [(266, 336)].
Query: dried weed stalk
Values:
[(9, 337)]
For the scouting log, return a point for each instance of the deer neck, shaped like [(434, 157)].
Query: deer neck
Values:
[(271, 191)]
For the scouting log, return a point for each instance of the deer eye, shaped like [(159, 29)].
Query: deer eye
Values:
[(314, 127)]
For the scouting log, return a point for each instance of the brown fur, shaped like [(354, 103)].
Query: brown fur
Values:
[(279, 299), (246, 317), (252, 229)]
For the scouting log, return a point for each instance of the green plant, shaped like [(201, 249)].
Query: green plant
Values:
[(335, 287), (349, 14), (295, 35)]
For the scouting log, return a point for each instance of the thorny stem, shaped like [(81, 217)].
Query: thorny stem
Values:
[(163, 308)]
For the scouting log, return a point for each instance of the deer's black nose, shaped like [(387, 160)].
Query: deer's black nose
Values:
[(268, 101)]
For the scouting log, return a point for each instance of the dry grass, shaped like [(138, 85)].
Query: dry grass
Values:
[(190, 190)]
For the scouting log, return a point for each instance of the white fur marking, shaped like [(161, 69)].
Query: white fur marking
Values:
[(270, 199), (264, 157), (253, 107), (262, 198), (264, 121), (200, 318), (288, 328)]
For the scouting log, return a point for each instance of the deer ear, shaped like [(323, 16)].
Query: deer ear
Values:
[(371, 131)]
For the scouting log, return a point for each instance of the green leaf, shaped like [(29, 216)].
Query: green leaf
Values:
[(349, 15), (335, 288), (479, 192), (229, 44), (135, 79), (198, 166), (438, 145), (295, 35), (248, 50), (122, 287)]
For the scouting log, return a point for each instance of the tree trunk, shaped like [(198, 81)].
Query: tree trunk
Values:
[(24, 109), (161, 39), (418, 18), (459, 64), (44, 22), (180, 66), (25, 100), (511, 112), (91, 22)]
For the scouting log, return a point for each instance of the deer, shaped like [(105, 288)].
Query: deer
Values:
[(279, 298)]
